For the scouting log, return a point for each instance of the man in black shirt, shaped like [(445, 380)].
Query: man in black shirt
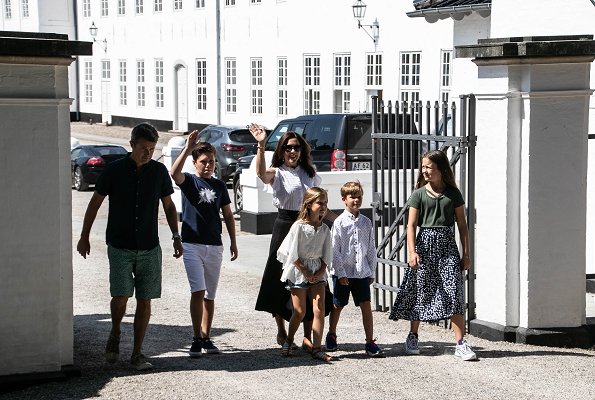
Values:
[(135, 185)]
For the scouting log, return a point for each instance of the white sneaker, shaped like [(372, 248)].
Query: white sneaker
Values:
[(465, 352), (411, 345)]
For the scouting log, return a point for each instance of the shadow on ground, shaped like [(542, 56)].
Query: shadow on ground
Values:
[(167, 345)]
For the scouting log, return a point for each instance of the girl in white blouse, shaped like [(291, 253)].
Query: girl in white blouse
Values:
[(305, 254)]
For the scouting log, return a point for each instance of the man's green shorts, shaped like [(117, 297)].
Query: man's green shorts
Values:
[(132, 270)]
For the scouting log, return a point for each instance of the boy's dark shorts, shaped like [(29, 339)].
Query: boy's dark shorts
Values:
[(358, 287)]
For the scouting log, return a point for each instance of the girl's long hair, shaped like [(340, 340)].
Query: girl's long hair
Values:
[(439, 158), (305, 160), (311, 195)]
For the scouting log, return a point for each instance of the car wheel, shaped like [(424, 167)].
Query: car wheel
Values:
[(79, 180), (238, 199)]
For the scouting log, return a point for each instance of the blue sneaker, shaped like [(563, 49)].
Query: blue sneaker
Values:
[(331, 342), (372, 349), (196, 348)]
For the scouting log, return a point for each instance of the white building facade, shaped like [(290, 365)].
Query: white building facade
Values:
[(182, 64)]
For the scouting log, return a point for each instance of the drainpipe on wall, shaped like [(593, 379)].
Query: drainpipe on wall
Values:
[(218, 44), (76, 64), (513, 227)]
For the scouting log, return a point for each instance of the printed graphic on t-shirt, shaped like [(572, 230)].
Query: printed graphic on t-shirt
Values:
[(207, 196)]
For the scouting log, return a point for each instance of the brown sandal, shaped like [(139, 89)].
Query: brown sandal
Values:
[(307, 345), (318, 354), (287, 349)]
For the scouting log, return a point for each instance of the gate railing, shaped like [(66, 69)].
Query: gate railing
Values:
[(400, 135)]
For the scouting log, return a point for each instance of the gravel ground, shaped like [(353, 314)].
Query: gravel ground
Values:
[(251, 366)]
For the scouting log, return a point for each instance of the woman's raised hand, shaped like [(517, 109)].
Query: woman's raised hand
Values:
[(258, 132)]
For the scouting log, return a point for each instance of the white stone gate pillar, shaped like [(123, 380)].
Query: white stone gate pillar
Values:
[(36, 329), (531, 166)]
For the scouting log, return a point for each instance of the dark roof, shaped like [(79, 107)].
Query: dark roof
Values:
[(34, 44), (429, 4)]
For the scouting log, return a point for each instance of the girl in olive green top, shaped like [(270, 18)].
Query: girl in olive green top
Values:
[(432, 287)]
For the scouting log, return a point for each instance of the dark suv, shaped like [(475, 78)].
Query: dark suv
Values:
[(340, 142), (231, 143)]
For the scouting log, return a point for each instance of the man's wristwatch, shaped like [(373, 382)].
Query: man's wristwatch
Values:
[(176, 236)]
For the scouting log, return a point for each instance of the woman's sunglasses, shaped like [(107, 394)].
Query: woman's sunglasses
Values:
[(288, 147)]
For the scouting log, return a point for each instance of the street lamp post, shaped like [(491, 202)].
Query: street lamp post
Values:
[(359, 12), (93, 31)]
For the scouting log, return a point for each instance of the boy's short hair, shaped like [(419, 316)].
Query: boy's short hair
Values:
[(352, 188), (203, 148), (145, 131)]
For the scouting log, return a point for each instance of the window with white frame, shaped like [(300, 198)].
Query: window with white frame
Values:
[(342, 95), (256, 85), (86, 8), (140, 83), (104, 8), (105, 69), (200, 4), (159, 88), (445, 74), (25, 8), (230, 3), (122, 80), (410, 79), (7, 9), (374, 69), (311, 84), (121, 7), (282, 86), (158, 5), (342, 70), (230, 85), (346, 98), (177, 5), (410, 68), (201, 84), (140, 6), (88, 81)]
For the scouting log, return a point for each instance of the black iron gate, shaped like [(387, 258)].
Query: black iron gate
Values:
[(401, 133)]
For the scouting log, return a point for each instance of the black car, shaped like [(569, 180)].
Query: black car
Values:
[(87, 162)]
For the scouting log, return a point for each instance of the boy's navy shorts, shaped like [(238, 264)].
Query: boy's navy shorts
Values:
[(358, 287)]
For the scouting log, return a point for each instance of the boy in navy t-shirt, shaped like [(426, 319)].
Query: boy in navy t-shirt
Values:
[(203, 196)]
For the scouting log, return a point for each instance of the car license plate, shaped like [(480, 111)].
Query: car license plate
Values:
[(360, 165)]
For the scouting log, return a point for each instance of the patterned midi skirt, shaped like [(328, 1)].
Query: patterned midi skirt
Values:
[(434, 290)]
